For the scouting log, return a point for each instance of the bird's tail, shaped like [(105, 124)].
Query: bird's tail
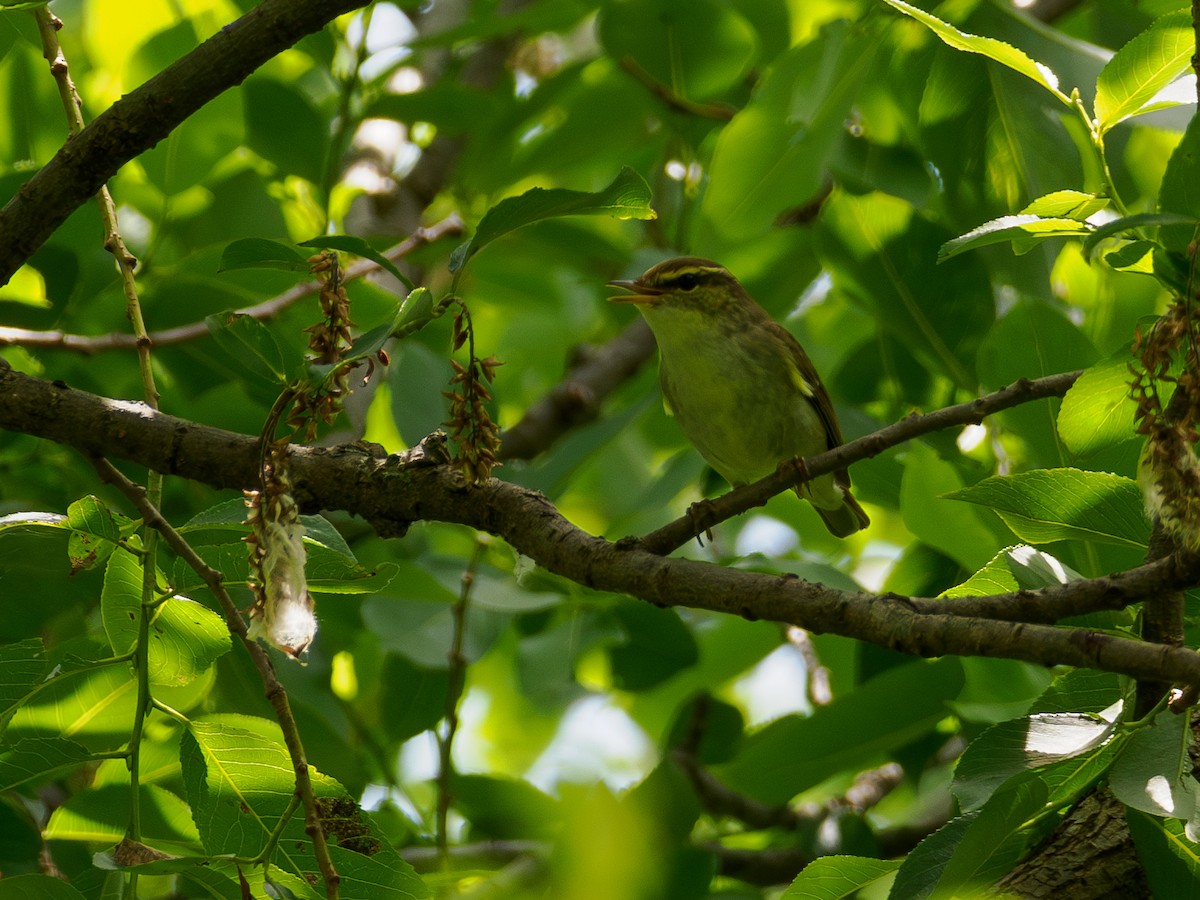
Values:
[(842, 521)]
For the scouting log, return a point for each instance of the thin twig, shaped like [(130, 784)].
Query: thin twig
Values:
[(454, 688), (275, 691), (89, 344), (737, 501)]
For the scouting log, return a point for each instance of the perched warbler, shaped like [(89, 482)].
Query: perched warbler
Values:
[(742, 388)]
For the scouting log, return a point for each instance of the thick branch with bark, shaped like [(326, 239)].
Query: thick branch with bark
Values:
[(391, 493), (142, 118)]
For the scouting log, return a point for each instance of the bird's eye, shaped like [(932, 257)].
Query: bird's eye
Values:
[(687, 281)]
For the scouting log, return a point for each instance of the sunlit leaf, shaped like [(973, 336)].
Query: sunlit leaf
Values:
[(837, 877), (1064, 504), (1097, 411), (1000, 52), (1143, 67)]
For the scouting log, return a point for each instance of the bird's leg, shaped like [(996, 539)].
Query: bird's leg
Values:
[(700, 512), (798, 467)]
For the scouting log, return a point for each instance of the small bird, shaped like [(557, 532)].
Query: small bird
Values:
[(741, 386)]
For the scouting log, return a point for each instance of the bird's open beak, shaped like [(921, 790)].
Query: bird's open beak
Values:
[(638, 292)]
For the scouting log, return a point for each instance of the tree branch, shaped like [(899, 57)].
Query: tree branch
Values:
[(576, 399), (361, 479), (142, 118)]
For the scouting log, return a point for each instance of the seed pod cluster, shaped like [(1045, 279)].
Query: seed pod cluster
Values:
[(282, 613), (470, 424), (1169, 471)]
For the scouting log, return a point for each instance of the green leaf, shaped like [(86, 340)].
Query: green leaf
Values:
[(1136, 256), (1136, 221), (1064, 504), (958, 532), (240, 782), (36, 887), (251, 344), (890, 711), (995, 50), (1168, 854), (260, 253), (1077, 205), (359, 247), (22, 666), (415, 313), (966, 856), (185, 637), (1143, 67), (502, 808), (993, 842), (95, 532), (657, 646), (1010, 228), (699, 48), (774, 155), (100, 816), (840, 877), (1180, 192), (1020, 568), (628, 197), (39, 759), (283, 127), (1154, 774), (1097, 412), (1020, 745)]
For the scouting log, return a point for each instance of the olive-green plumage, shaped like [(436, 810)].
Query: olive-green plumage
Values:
[(742, 388)]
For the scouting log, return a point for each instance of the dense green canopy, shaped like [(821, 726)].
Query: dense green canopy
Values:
[(539, 671)]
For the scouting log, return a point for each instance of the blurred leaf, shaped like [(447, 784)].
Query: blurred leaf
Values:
[(657, 645), (627, 197), (856, 730), (505, 808), (993, 49), (260, 253), (774, 154), (1064, 504), (412, 699), (927, 485), (37, 887), (283, 127), (1180, 193), (697, 48), (879, 252)]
